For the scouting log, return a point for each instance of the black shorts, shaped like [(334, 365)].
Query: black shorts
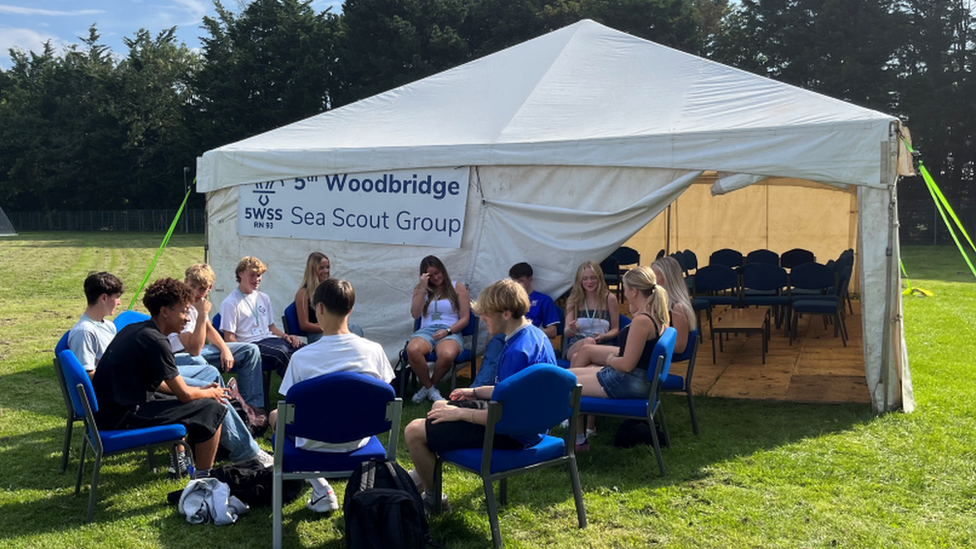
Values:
[(459, 435), (201, 417)]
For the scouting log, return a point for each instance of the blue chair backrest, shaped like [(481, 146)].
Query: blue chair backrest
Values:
[(764, 276), (763, 256), (716, 278), (561, 327), (344, 406), (129, 317), (626, 256), (534, 400), (727, 257), (610, 267), (62, 344), (291, 321), (795, 257), (664, 347), (216, 323), (679, 256), (74, 373), (843, 281), (812, 276), (691, 260)]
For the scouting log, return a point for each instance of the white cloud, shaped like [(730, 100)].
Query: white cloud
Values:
[(19, 10), (195, 8), (25, 39)]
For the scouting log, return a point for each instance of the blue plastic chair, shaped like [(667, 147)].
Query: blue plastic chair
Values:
[(795, 257), (829, 303), (129, 317), (525, 404), (66, 395), (468, 355), (642, 408), (716, 285), (289, 321), (333, 408), (763, 285), (105, 443), (678, 384)]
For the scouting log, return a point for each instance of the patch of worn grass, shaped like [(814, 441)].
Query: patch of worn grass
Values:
[(761, 474)]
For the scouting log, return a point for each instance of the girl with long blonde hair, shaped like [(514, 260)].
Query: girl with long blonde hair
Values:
[(317, 269), (592, 312), (683, 317)]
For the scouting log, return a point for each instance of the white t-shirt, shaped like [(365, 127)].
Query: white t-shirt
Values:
[(89, 338), (174, 338), (248, 317), (331, 354)]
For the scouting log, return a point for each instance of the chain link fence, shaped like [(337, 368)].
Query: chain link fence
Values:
[(921, 224), (152, 221)]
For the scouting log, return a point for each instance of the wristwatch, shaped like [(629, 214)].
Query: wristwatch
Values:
[(449, 332)]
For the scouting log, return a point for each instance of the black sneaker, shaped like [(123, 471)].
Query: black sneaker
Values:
[(179, 461)]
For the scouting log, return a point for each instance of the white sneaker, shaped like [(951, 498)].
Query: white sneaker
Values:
[(415, 477), (325, 503), (420, 395), (564, 424), (434, 395), (265, 459)]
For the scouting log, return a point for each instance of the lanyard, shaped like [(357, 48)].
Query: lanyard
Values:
[(254, 311)]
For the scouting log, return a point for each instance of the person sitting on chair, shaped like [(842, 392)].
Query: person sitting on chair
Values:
[(338, 350), (90, 336), (139, 361), (460, 423), (191, 349), (592, 311), (682, 314), (443, 309), (246, 315)]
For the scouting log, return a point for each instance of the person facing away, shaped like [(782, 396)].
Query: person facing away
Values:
[(338, 350)]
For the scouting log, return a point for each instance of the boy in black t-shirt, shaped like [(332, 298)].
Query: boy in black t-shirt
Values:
[(139, 362)]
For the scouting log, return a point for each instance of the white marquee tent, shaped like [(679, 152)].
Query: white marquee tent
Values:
[(566, 146)]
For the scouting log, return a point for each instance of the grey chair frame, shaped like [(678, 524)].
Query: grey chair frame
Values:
[(692, 352), (495, 411), (72, 416)]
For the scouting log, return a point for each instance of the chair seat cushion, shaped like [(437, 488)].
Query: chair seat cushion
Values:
[(673, 383), (503, 460), (633, 407), (119, 441), (766, 300), (723, 299), (699, 303), (296, 459), (816, 306)]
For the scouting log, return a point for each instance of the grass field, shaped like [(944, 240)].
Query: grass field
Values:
[(760, 474)]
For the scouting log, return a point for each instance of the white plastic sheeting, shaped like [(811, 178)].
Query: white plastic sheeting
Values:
[(575, 140)]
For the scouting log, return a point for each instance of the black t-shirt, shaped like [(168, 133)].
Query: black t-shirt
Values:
[(137, 361)]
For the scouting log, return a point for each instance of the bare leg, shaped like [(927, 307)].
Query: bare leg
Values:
[(417, 350), (591, 388), (447, 351), (423, 459), (204, 453), (593, 355), (575, 347)]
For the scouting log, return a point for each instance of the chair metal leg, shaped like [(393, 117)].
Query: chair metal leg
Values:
[(503, 491), (266, 385), (496, 533), (657, 449), (577, 492), (691, 408), (81, 465), (659, 415), (151, 457), (276, 507), (66, 447), (94, 487), (438, 487)]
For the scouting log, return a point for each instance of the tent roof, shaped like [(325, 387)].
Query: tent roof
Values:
[(582, 95)]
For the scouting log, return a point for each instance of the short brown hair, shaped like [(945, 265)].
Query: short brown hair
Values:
[(501, 296), (250, 263), (97, 284), (200, 273), (166, 292), (336, 295)]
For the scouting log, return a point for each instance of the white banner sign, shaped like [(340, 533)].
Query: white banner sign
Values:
[(417, 207)]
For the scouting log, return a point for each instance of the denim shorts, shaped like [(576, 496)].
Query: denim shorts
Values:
[(427, 334), (620, 385)]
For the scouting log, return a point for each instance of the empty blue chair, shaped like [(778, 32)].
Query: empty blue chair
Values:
[(105, 443), (525, 404), (717, 285), (468, 355), (129, 317), (334, 408), (822, 282), (612, 275), (641, 408), (678, 384), (795, 257), (763, 285), (762, 256), (726, 256)]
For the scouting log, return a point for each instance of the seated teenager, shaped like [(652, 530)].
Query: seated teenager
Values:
[(246, 315), (190, 346), (683, 317), (542, 313), (90, 336), (460, 423), (338, 350), (592, 311), (621, 372), (443, 309)]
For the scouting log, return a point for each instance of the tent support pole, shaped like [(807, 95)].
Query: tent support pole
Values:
[(889, 158)]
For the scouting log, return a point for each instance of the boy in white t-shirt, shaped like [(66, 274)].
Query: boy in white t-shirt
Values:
[(246, 315), (339, 350), (90, 336)]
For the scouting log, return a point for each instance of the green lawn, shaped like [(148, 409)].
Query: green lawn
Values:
[(761, 474)]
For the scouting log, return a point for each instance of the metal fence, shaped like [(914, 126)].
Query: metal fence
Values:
[(921, 224), (153, 221)]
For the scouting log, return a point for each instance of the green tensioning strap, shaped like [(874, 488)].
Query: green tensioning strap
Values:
[(169, 233)]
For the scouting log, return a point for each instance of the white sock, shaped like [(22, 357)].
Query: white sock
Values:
[(320, 487), (580, 439)]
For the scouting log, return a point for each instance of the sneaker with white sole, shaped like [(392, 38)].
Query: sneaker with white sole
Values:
[(591, 432), (265, 459), (420, 395), (180, 463), (434, 395), (323, 504), (429, 503)]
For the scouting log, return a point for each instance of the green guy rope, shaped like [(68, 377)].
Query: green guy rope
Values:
[(169, 233)]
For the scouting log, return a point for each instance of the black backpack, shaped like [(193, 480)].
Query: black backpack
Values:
[(383, 508)]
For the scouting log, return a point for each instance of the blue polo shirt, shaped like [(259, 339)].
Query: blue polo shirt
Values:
[(524, 347), (542, 310)]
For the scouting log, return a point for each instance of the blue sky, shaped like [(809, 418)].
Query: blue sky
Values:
[(27, 24)]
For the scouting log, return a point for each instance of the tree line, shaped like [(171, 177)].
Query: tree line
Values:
[(88, 128)]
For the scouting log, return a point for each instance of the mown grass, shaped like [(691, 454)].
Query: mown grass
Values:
[(761, 474)]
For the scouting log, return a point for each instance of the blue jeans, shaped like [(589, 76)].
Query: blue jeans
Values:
[(489, 363), (247, 366), (234, 434)]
